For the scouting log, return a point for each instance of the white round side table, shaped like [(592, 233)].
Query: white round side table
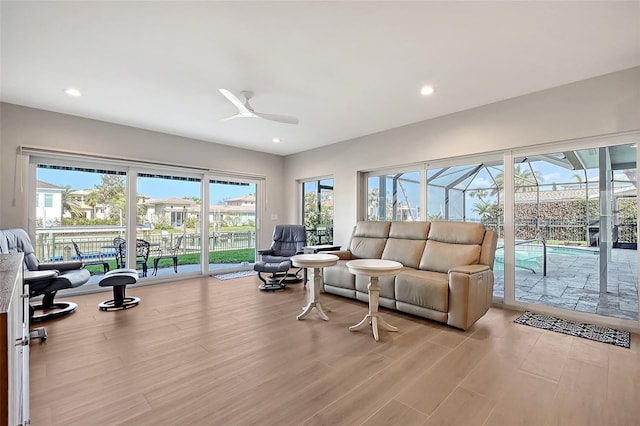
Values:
[(373, 268), (315, 261)]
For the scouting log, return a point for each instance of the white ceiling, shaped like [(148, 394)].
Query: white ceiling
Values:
[(345, 69)]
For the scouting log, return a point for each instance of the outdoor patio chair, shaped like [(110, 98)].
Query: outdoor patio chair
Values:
[(121, 252), (169, 253), (142, 254), (91, 258)]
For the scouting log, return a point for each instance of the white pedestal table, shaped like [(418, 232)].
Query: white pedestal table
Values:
[(373, 268), (317, 262)]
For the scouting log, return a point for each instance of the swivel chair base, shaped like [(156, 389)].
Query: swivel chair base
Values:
[(52, 310), (119, 279), (272, 283), (116, 305), (278, 272)]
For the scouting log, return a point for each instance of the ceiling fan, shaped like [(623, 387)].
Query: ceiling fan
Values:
[(246, 110)]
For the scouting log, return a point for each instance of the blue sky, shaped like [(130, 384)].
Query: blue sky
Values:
[(152, 187)]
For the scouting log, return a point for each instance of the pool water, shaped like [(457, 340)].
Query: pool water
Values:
[(530, 256)]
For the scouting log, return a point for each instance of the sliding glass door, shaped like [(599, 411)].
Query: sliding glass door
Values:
[(80, 208), (575, 214), (169, 219), (232, 216)]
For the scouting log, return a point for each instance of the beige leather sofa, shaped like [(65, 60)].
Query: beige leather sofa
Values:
[(447, 274)]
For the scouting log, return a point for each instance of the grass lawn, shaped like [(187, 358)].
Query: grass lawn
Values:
[(227, 256)]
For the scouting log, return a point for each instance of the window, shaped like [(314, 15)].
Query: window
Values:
[(81, 205), (317, 211), (393, 196), (89, 204)]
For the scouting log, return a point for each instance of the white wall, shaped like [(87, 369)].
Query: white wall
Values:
[(33, 127), (597, 106)]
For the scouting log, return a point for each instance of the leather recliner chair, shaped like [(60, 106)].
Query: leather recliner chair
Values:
[(63, 275), (288, 240)]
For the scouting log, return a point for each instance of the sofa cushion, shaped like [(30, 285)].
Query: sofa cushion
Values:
[(441, 257), (452, 244), (386, 284), (368, 240), (457, 232), (427, 289), (367, 248), (406, 242), (372, 229), (409, 230), (339, 276), (407, 252)]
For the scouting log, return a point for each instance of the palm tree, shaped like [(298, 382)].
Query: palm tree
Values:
[(525, 179), (579, 178), (69, 204)]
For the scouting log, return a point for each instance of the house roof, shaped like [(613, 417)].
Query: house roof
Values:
[(45, 185), (171, 200), (248, 198)]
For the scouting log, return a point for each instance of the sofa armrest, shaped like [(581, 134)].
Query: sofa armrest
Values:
[(342, 254), (469, 269), (470, 294)]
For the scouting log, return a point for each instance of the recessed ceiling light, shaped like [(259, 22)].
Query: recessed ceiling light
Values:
[(73, 92), (427, 90), (276, 140)]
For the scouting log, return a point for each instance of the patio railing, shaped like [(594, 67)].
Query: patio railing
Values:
[(56, 244)]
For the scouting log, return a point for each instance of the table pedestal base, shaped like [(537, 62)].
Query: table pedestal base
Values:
[(314, 298), (373, 317), (307, 309)]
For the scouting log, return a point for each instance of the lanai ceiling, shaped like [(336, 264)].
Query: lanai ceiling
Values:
[(344, 69)]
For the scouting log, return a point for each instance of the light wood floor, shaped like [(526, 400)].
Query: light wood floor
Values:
[(211, 352)]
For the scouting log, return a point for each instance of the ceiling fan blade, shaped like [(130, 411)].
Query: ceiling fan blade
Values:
[(279, 118), (232, 117), (237, 102)]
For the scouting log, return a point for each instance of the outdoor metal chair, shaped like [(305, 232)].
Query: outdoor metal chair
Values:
[(169, 253), (91, 258), (121, 252), (142, 255)]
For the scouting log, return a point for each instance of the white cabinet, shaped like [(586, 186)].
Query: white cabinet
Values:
[(14, 342)]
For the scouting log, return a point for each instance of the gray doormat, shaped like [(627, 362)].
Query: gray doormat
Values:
[(232, 275), (572, 328)]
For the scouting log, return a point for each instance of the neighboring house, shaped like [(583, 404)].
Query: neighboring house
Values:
[(48, 204), (171, 211), (234, 212), (81, 196)]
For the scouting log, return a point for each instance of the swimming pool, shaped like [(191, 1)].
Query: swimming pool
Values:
[(530, 256)]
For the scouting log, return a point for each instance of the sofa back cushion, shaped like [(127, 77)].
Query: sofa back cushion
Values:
[(406, 242), (368, 239), (452, 244)]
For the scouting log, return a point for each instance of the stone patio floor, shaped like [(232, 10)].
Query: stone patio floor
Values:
[(573, 282)]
